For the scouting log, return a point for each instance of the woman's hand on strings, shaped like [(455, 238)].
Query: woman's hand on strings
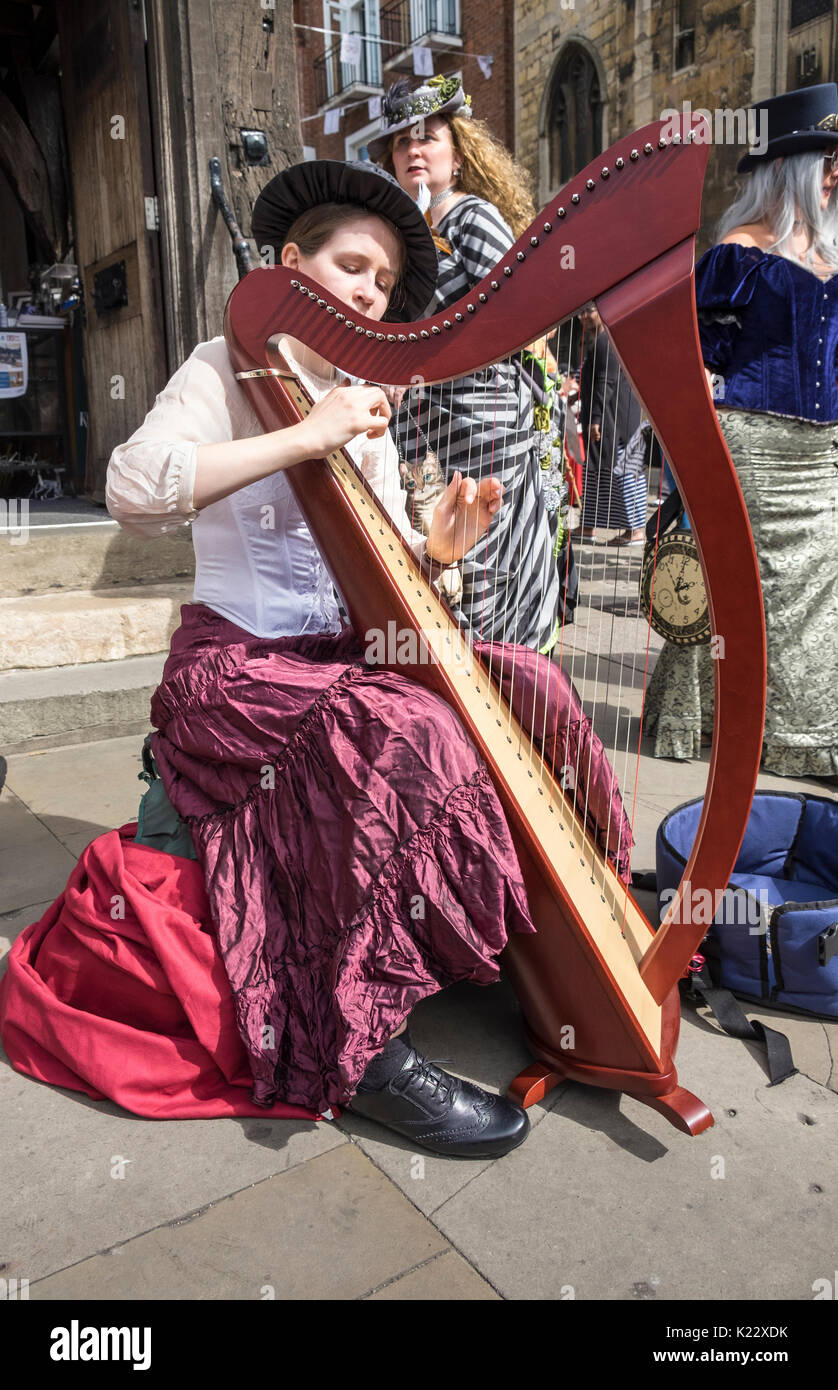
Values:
[(346, 411), (394, 394), (461, 516)]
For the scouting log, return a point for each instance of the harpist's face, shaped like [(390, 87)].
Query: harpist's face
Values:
[(358, 264)]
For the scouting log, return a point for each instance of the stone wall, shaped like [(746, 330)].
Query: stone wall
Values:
[(743, 52)]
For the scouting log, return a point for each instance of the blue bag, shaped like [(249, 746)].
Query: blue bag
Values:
[(773, 934)]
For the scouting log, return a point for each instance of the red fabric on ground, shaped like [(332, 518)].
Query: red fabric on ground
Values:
[(135, 1009), (354, 849)]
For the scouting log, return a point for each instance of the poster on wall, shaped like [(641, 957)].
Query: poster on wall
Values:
[(14, 366)]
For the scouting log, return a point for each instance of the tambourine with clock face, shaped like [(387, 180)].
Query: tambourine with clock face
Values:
[(672, 590)]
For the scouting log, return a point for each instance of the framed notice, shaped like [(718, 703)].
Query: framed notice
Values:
[(14, 366)]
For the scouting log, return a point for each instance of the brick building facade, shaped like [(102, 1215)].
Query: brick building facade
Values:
[(456, 32), (590, 71)]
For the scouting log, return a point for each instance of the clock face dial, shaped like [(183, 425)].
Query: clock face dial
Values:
[(673, 594)]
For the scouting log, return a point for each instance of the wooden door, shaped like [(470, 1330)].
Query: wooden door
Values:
[(105, 96)]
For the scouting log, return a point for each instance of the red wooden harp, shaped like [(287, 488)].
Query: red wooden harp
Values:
[(595, 964)]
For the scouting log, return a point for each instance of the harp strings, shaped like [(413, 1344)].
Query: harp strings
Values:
[(579, 652), (600, 606), (444, 427), (467, 425), (611, 667), (627, 618), (568, 424), (598, 506)]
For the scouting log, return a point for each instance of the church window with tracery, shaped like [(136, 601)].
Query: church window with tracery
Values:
[(574, 116)]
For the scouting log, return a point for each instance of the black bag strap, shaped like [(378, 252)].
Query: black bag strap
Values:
[(149, 773), (731, 1018), (725, 1008), (664, 515)]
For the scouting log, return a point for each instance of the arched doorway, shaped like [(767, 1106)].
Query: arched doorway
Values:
[(572, 125)]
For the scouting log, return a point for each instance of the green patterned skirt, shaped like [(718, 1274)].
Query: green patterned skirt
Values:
[(788, 471)]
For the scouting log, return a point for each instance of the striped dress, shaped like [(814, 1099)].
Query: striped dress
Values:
[(483, 425), (615, 485)]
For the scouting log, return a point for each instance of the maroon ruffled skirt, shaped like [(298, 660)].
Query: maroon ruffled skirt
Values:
[(355, 853), (353, 858)]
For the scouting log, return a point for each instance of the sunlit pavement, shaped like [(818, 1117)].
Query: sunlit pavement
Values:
[(604, 1200)]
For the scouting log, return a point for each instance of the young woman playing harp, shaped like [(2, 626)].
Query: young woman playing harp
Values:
[(355, 854)]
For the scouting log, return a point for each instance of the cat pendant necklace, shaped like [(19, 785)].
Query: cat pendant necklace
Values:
[(424, 482)]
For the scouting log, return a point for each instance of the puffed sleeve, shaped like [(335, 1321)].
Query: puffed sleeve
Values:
[(151, 477), (725, 280), (481, 239), (378, 460)]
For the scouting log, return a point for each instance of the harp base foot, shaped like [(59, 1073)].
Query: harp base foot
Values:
[(683, 1110), (532, 1084)]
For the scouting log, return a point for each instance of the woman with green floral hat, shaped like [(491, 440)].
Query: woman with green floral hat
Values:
[(477, 201)]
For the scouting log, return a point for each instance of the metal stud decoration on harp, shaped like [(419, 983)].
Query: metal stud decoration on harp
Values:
[(595, 964)]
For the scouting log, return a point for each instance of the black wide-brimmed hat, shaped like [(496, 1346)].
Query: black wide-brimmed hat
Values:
[(369, 188), (401, 107), (798, 121)]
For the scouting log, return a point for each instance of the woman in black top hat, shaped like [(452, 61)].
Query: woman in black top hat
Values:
[(767, 297)]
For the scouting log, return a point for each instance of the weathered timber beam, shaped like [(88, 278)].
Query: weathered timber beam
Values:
[(25, 168)]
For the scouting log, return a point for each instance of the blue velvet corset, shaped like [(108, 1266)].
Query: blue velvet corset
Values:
[(770, 329)]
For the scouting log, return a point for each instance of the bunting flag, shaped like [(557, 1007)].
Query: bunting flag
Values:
[(423, 61), (484, 62), (331, 120), (350, 48)]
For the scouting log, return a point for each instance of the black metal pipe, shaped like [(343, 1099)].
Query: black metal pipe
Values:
[(241, 245)]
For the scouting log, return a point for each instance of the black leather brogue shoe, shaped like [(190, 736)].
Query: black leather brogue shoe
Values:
[(440, 1112)]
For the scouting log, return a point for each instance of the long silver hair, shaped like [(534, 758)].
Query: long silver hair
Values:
[(782, 193)]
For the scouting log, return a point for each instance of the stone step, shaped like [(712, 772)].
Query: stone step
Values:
[(42, 552), (75, 704), (71, 627)]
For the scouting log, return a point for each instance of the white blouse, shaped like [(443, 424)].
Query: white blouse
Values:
[(255, 560)]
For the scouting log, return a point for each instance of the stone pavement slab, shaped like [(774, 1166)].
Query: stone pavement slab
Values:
[(77, 704), (33, 871), (814, 1042), (606, 1200), (69, 1196), (333, 1228), (447, 1277), (78, 546), (89, 786), (67, 628)]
